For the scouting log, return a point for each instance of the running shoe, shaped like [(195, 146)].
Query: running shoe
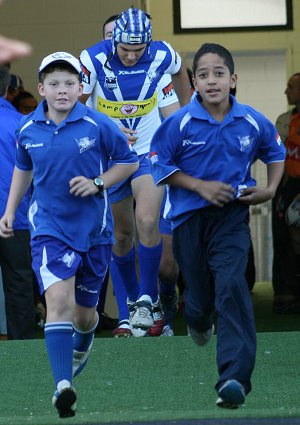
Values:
[(231, 395), (64, 400), (167, 331), (201, 338), (158, 319), (122, 330), (141, 316)]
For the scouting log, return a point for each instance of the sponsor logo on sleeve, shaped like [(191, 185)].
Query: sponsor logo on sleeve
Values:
[(153, 157), (168, 89), (278, 139), (86, 74)]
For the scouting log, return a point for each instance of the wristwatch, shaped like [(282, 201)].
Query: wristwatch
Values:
[(99, 183)]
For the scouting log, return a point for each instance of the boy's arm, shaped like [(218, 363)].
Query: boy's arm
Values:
[(257, 195), (20, 183), (82, 186), (217, 193)]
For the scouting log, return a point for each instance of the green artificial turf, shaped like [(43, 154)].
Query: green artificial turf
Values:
[(147, 379), (143, 379)]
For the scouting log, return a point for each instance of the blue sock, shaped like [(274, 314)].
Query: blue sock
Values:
[(123, 274), (59, 343), (102, 295), (82, 340), (121, 295), (149, 260), (167, 289)]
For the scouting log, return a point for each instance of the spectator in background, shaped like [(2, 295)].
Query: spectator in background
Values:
[(286, 269), (15, 87), (15, 258), (25, 102)]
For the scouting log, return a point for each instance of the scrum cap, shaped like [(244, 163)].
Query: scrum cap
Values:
[(133, 26)]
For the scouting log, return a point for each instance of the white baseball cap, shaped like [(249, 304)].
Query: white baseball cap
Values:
[(61, 57)]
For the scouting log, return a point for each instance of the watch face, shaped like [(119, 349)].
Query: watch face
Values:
[(99, 183)]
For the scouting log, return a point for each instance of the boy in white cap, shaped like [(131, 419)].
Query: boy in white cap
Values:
[(65, 147)]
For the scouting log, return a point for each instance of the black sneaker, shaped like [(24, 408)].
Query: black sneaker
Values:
[(64, 400)]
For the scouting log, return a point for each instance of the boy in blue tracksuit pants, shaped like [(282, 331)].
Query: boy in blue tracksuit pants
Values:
[(204, 154)]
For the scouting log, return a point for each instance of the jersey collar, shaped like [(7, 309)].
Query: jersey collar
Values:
[(78, 112), (197, 111)]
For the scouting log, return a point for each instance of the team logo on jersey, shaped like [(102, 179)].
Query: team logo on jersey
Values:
[(68, 259), (245, 142), (85, 143), (110, 83), (129, 109), (152, 75), (153, 157)]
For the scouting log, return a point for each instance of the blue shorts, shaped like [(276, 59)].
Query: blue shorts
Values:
[(165, 226), (122, 190), (53, 261)]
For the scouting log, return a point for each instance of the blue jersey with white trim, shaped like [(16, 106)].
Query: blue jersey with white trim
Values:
[(193, 142), (81, 145), (129, 95)]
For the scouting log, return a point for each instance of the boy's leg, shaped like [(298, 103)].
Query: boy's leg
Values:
[(191, 256), (168, 275), (123, 263), (85, 323), (58, 336), (90, 276), (148, 200), (236, 342), (56, 279)]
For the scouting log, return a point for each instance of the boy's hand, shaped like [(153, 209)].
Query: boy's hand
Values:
[(82, 186), (6, 226), (217, 193), (255, 195)]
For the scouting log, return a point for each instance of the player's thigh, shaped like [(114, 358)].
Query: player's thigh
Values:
[(148, 198), (123, 214)]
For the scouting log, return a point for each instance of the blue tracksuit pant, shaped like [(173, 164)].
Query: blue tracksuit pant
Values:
[(211, 248)]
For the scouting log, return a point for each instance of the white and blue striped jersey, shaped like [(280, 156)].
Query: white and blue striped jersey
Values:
[(81, 145), (131, 96), (193, 142)]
